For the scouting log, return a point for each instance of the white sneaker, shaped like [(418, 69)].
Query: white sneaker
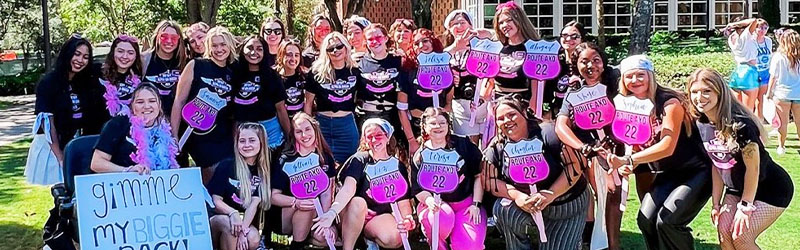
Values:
[(781, 150)]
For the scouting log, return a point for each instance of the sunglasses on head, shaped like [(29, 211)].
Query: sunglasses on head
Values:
[(571, 36), (276, 31), (335, 47), (506, 5), (128, 38)]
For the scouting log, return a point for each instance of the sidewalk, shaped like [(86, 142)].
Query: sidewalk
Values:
[(17, 119)]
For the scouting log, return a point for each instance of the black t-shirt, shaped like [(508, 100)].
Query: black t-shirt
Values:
[(556, 89), (295, 86), (257, 93), (465, 87), (511, 75), (774, 184), (226, 184), (495, 155), (164, 75), (280, 180), (57, 96), (217, 79), (269, 59), (419, 98), (310, 54), (125, 85), (610, 79), (355, 167), (338, 95), (688, 151), (115, 140), (469, 153), (378, 93)]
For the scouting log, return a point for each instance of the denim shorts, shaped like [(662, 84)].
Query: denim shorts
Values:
[(274, 132), (341, 135)]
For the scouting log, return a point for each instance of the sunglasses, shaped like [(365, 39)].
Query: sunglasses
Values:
[(571, 36), (376, 39), (169, 38), (336, 47), (128, 38), (276, 31), (322, 29), (422, 41)]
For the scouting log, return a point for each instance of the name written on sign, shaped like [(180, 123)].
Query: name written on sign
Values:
[(485, 45), (542, 47), (428, 59), (631, 104), (211, 98), (586, 94), (525, 147)]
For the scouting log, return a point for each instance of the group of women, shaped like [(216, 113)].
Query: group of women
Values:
[(348, 112)]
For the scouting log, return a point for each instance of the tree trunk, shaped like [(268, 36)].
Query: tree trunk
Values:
[(601, 25), (193, 10), (770, 11), (210, 9), (26, 57), (354, 7), (421, 11), (640, 27), (331, 6), (290, 16)]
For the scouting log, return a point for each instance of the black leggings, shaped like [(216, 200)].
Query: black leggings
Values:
[(674, 200)]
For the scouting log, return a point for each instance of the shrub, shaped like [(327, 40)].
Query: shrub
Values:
[(673, 70), (20, 84)]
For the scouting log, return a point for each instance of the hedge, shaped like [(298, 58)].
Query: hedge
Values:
[(21, 83), (674, 70)]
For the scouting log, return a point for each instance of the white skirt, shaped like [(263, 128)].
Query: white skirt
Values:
[(42, 165), (461, 115)]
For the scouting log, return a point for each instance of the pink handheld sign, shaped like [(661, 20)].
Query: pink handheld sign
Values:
[(307, 179), (591, 107), (526, 163), (632, 120), (483, 60), (201, 112), (434, 71), (386, 183), (438, 171), (541, 59)]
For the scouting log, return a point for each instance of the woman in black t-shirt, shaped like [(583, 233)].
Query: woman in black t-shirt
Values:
[(462, 218), (758, 189), (562, 196), (296, 214), (62, 97), (241, 191), (259, 92), (162, 65), (273, 33), (289, 65), (120, 74), (513, 29), (331, 86), (556, 89), (319, 28), (195, 36), (681, 188), (211, 74), (141, 142), (359, 210)]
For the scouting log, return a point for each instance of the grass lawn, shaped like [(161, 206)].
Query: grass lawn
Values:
[(23, 208)]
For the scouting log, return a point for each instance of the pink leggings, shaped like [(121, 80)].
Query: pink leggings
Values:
[(454, 222)]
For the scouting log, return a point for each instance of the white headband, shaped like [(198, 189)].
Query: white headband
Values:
[(385, 126), (636, 62), (452, 16)]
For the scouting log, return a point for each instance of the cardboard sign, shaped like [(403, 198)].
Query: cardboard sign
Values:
[(307, 179), (438, 171), (434, 71), (127, 211), (541, 59), (483, 60), (201, 112), (386, 183), (591, 107), (526, 163), (632, 120)]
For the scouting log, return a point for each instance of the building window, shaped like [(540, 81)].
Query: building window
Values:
[(661, 15), (794, 11), (692, 14), (727, 10), (540, 12), (578, 10), (617, 16)]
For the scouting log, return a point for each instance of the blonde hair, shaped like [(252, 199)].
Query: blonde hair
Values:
[(262, 165), (524, 25), (789, 45), (180, 49), (652, 90), (727, 108), (323, 67), (229, 42)]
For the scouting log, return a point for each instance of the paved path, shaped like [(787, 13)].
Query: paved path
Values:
[(16, 120)]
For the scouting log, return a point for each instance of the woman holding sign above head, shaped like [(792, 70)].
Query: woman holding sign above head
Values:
[(331, 85), (583, 125), (373, 194), (260, 95), (202, 99), (139, 143), (513, 29), (448, 165), (524, 166), (418, 92), (659, 135), (302, 180), (289, 66), (459, 32), (757, 190), (163, 64), (121, 74), (241, 191)]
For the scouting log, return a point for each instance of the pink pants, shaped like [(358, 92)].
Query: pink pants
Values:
[(454, 222)]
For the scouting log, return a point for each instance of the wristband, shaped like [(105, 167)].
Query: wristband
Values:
[(630, 160), (745, 207), (402, 105), (476, 203)]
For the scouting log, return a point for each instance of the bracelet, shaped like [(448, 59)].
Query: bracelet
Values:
[(630, 160), (746, 207), (294, 202)]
